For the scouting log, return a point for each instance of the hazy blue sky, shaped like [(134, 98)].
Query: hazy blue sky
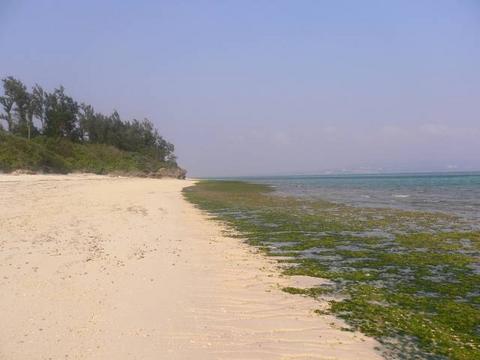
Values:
[(266, 87)]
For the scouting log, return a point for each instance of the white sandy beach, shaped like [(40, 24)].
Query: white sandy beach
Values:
[(96, 267)]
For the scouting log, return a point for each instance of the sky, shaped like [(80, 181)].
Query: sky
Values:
[(268, 87)]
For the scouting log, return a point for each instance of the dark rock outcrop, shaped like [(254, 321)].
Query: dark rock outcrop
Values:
[(169, 172)]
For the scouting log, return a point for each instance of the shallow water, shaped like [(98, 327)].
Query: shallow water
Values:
[(457, 193)]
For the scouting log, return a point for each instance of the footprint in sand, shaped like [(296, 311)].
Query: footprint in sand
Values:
[(138, 210)]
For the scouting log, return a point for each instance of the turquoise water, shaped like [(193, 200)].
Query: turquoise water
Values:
[(457, 193)]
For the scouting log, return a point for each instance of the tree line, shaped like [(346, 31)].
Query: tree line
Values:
[(39, 113)]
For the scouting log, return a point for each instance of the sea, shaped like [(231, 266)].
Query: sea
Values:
[(455, 193)]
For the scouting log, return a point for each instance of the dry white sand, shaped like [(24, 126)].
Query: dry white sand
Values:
[(97, 267)]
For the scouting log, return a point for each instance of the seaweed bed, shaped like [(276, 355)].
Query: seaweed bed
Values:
[(408, 278)]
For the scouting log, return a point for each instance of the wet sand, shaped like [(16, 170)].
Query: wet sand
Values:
[(96, 267)]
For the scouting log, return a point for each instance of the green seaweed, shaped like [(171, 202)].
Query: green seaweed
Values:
[(408, 278)]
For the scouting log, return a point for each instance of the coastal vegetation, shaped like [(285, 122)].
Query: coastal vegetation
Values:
[(408, 278), (52, 132)]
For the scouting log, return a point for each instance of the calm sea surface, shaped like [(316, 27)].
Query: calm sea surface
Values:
[(457, 193)]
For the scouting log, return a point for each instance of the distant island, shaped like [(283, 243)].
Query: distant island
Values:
[(50, 132)]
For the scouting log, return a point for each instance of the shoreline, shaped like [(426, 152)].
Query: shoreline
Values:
[(406, 278), (98, 267)]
